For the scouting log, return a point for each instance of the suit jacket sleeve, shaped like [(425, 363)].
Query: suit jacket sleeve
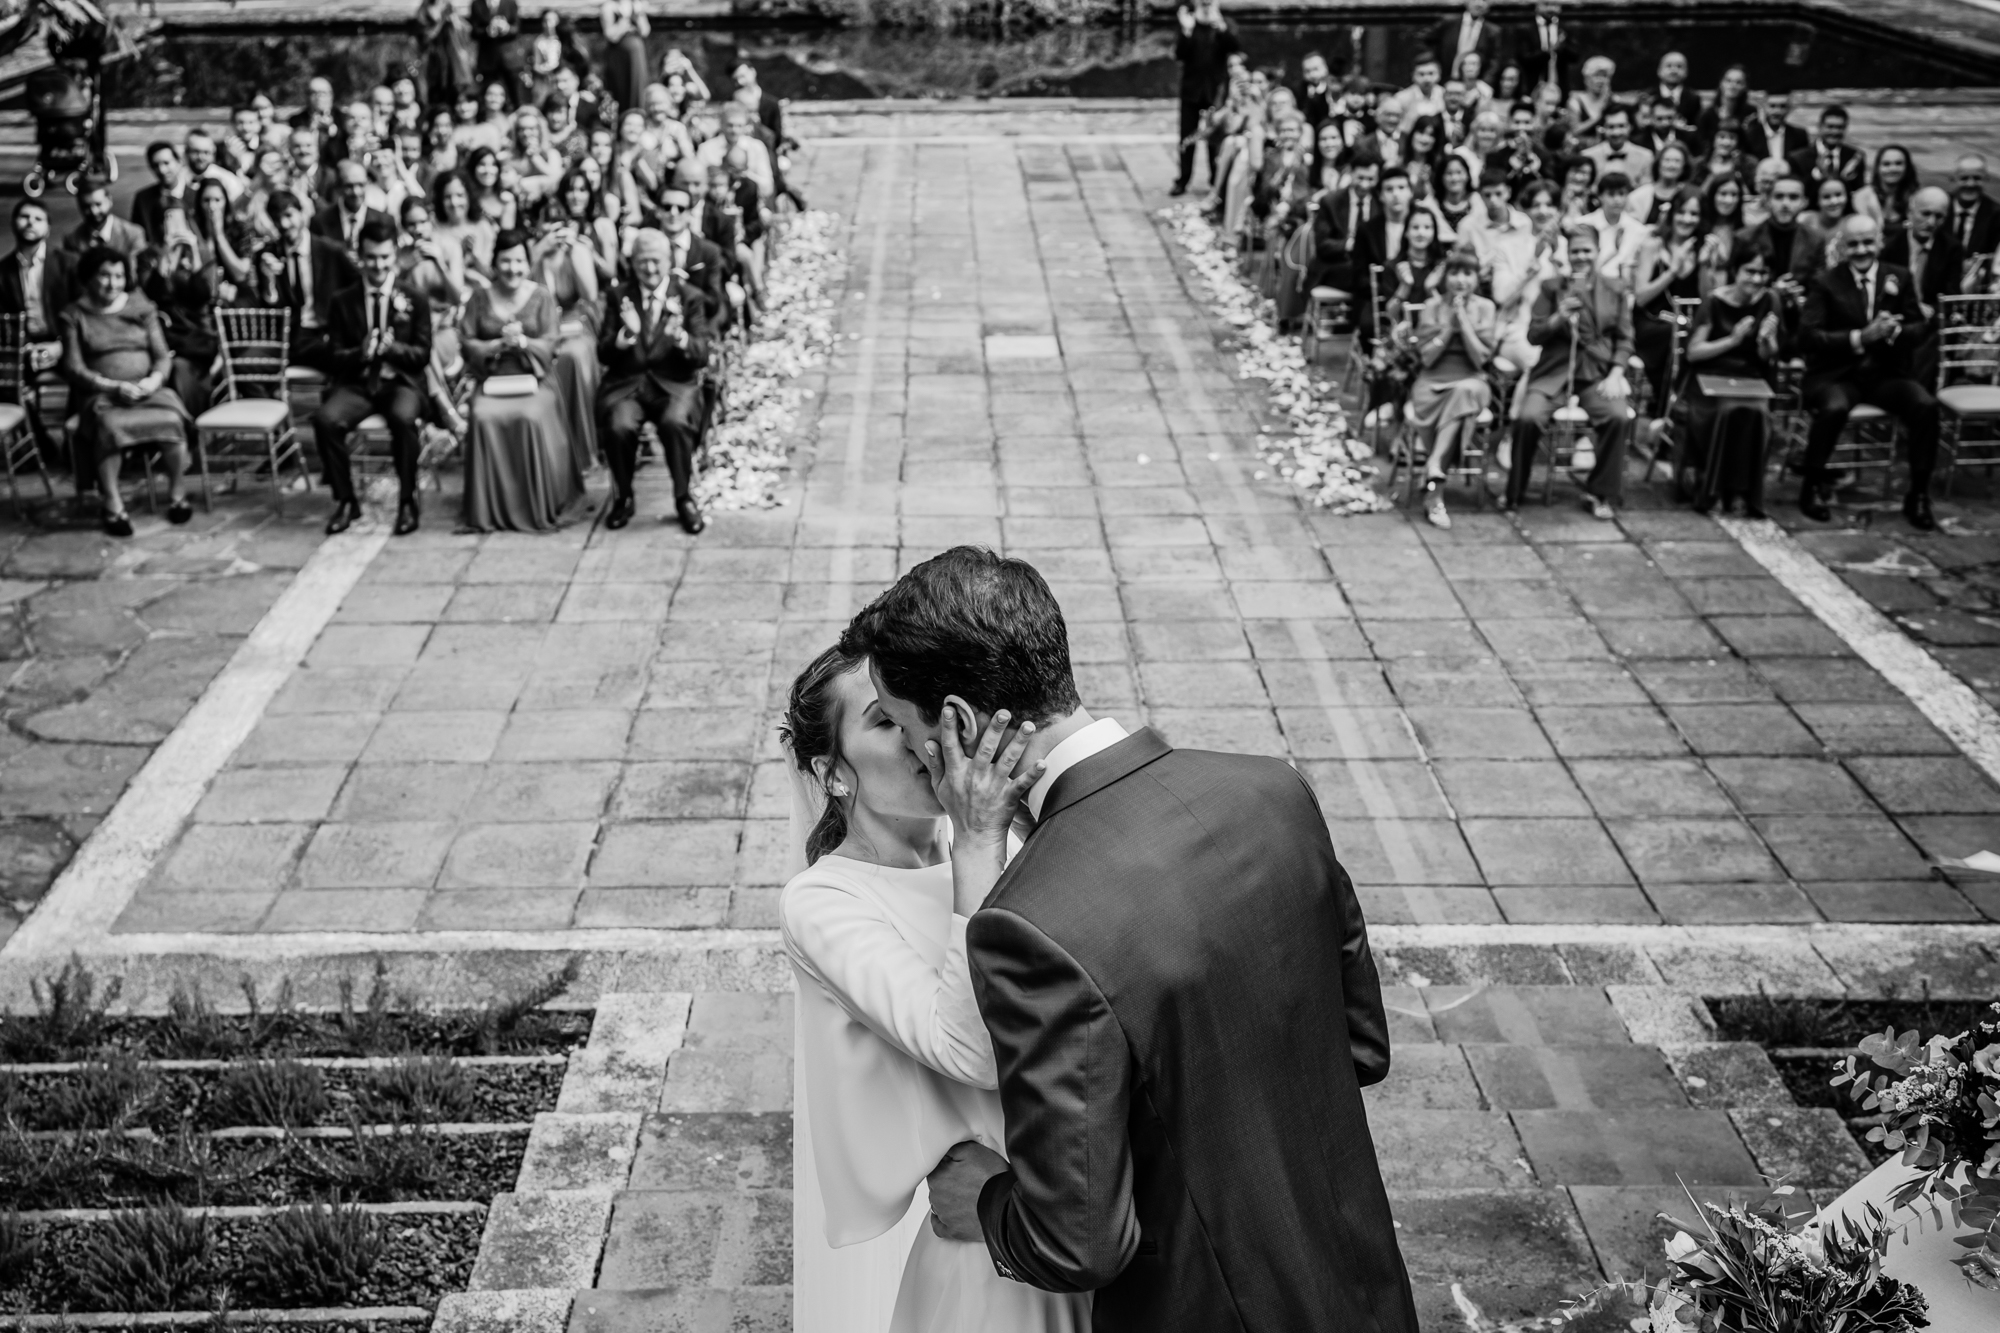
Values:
[(414, 355), (1821, 327), (1061, 1218), (1367, 1020)]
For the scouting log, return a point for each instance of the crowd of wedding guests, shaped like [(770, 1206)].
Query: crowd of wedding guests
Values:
[(1520, 218), (514, 247)]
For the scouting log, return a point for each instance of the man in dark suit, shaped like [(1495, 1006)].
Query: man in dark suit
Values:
[(378, 346), (318, 120), (727, 216), (1338, 221), (569, 107), (170, 192), (1173, 1146), (1673, 98), (1203, 49), (1315, 93), (1769, 133), (1792, 240), (495, 25), (1546, 53), (1830, 155), (101, 226), (343, 220), (1974, 219), (695, 261), (653, 346), (1379, 244), (770, 111), (1591, 313), (1862, 323), (301, 272), (1932, 255), (1469, 30), (37, 280)]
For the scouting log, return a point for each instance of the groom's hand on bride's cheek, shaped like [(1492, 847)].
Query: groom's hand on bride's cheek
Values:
[(955, 1185)]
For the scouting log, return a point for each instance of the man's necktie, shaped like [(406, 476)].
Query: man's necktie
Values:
[(1868, 294), (298, 282), (1965, 220)]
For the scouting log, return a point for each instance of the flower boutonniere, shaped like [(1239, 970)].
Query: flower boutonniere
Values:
[(400, 303)]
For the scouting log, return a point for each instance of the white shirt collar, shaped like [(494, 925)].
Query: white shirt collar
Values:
[(1100, 735)]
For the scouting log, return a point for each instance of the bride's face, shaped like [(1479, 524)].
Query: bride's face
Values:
[(887, 779)]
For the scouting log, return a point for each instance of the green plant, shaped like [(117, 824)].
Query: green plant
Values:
[(184, 1163), (377, 1164), (421, 1087), (19, 1248), (43, 1172), (370, 1030), (107, 1094), (70, 1017), (262, 1025), (1786, 1020), (313, 1255), (494, 1025), (155, 1259), (270, 1092)]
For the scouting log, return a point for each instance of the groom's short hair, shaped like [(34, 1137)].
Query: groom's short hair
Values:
[(971, 623)]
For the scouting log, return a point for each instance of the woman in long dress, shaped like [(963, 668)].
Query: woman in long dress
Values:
[(1457, 331), (519, 472), (116, 358), (569, 264), (894, 1065), (626, 28), (1735, 334)]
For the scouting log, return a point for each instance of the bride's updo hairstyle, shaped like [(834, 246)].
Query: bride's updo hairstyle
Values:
[(811, 731), (970, 623)]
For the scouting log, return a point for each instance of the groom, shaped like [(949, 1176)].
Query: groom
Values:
[(1177, 980)]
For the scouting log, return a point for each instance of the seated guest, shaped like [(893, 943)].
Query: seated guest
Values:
[(1516, 252), (725, 223), (1674, 98), (1735, 334), (1723, 158), (116, 359), (520, 473), (1932, 256), (1886, 196), (1731, 106), (1592, 103), (1974, 220), (37, 281), (1721, 225), (199, 150), (1338, 221), (317, 122), (1830, 157), (1769, 135), (378, 349), (220, 243), (1380, 243), (1618, 235), (1579, 184), (301, 272), (1315, 92), (456, 225), (1455, 197), (1519, 155), (440, 148), (695, 260), (182, 287), (1482, 141), (1757, 200), (1862, 325), (1583, 328), (343, 220), (163, 204), (244, 141), (100, 226), (1673, 169), (1668, 269), (534, 160), (312, 178), (1416, 276), (493, 200), (437, 269), (580, 205), (568, 108), (736, 136), (1457, 333), (251, 212), (1793, 241), (653, 347), (1616, 151)]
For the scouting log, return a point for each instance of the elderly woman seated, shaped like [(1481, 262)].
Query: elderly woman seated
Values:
[(115, 356), (1457, 331)]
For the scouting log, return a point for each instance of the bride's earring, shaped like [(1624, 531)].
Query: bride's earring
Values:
[(837, 787)]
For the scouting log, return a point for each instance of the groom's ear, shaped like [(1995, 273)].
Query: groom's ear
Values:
[(964, 718)]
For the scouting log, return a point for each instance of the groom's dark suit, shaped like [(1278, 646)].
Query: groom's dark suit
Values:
[(1184, 1010)]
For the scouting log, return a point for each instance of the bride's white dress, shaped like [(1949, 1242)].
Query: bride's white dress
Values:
[(893, 1068)]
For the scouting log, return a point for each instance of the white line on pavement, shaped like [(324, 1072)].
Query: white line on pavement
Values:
[(114, 861), (853, 474), (1948, 702)]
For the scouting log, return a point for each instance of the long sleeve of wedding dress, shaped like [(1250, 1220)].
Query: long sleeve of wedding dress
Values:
[(844, 941)]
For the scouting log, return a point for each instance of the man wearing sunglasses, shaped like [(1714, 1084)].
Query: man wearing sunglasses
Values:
[(696, 260)]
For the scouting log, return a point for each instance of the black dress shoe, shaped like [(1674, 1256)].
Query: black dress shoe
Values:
[(690, 513), (1813, 507), (179, 511), (118, 525), (344, 514), (1917, 509), (406, 518), (1180, 188), (620, 512)]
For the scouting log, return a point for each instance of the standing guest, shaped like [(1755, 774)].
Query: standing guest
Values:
[(1932, 256), (1454, 199), (520, 473), (1468, 32), (1618, 234), (653, 347), (1203, 50), (1735, 334), (428, 262), (1582, 328), (457, 224), (1886, 196), (1861, 326), (1457, 332), (184, 289), (1668, 268), (1672, 96), (1974, 219), (379, 348), (316, 120), (343, 220), (116, 359), (1769, 134), (1673, 167), (1550, 60), (495, 26), (1731, 104), (100, 226), (626, 28), (301, 272), (451, 59), (162, 206), (1615, 151), (491, 200), (1589, 104), (37, 281), (1831, 156), (1315, 92), (567, 263), (547, 53)]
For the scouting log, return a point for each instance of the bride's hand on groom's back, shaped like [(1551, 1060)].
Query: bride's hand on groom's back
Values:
[(980, 790)]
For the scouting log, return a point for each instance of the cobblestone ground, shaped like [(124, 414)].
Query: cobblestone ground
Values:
[(1543, 724)]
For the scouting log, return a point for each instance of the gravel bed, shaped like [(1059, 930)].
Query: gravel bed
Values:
[(104, 1171), (1808, 1079), (164, 1099), (425, 1256)]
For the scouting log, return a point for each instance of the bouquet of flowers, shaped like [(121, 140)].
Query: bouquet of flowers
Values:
[(1770, 1268), (1939, 1105)]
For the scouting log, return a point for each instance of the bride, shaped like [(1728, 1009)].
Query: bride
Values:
[(894, 1066)]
